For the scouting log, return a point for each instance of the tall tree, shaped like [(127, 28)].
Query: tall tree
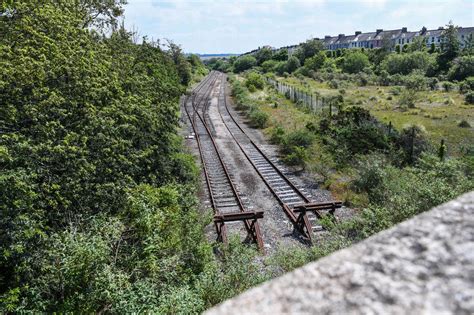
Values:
[(449, 46)]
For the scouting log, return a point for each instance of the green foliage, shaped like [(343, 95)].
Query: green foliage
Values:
[(292, 64), (355, 62), (407, 99), (92, 219), (255, 79), (462, 68), (406, 63), (467, 85), (244, 63), (269, 65), (449, 47), (398, 194), (354, 131), (470, 97), (258, 119), (263, 54), (308, 49), (316, 62), (413, 143), (280, 55)]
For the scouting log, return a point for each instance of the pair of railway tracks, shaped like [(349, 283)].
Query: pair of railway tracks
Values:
[(301, 210), (226, 201)]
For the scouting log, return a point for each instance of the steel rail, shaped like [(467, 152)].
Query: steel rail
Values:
[(250, 226), (290, 213)]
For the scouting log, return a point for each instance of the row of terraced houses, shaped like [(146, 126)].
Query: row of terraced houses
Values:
[(376, 39)]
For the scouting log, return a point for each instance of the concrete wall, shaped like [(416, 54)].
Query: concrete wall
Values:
[(422, 266)]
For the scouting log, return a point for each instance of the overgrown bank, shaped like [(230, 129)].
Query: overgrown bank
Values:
[(97, 195)]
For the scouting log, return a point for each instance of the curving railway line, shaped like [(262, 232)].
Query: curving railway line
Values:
[(226, 202)]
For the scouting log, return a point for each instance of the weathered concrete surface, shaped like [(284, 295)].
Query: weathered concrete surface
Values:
[(422, 266)]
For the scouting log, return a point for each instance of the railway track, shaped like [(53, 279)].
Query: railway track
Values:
[(302, 211), (226, 202)]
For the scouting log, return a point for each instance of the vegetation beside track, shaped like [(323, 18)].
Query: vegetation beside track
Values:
[(399, 143)]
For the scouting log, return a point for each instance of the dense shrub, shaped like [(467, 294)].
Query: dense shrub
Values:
[(91, 216), (258, 118), (407, 98), (269, 65), (470, 97), (292, 64), (254, 79), (354, 131), (462, 68), (244, 63), (406, 63), (316, 62), (355, 62), (467, 85)]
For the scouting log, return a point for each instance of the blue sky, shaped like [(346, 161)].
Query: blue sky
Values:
[(231, 26)]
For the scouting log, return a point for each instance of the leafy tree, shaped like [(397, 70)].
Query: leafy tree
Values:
[(449, 47), (292, 64), (263, 54), (308, 49), (316, 62), (281, 55), (355, 62), (406, 63), (462, 68), (418, 44), (182, 65), (269, 65), (91, 217), (244, 63)]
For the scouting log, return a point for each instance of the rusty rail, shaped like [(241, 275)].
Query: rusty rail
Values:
[(250, 218), (297, 213)]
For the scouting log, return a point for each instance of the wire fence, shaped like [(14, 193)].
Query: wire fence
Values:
[(315, 102)]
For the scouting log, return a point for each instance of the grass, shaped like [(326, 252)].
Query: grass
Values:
[(438, 111)]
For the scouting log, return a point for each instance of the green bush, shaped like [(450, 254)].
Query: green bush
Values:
[(470, 97), (464, 124), (316, 62), (408, 98), (462, 68), (244, 63), (254, 79), (448, 86), (355, 62), (407, 62), (269, 65), (354, 131), (277, 135), (292, 64), (258, 118), (467, 85)]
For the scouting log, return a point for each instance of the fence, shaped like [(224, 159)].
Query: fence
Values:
[(315, 102)]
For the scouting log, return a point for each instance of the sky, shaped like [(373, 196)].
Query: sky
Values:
[(232, 26)]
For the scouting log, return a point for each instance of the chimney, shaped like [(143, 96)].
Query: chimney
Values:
[(327, 36), (423, 30), (379, 31), (340, 36), (404, 30), (358, 33), (440, 28)]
